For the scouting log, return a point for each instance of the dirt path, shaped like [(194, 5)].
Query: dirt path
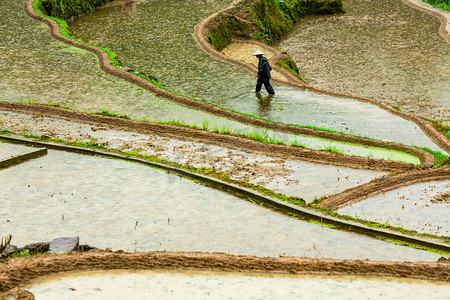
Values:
[(383, 185), (15, 273), (185, 133)]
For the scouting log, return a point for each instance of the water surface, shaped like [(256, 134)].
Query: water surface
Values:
[(208, 285), (8, 150), (146, 40), (381, 49), (412, 207), (117, 204), (46, 70)]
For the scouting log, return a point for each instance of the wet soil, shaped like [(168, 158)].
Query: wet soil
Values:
[(15, 273), (441, 198)]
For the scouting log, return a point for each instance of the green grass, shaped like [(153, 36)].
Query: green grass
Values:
[(440, 158), (111, 114), (442, 4), (332, 149)]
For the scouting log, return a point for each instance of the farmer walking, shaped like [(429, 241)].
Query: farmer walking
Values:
[(263, 73)]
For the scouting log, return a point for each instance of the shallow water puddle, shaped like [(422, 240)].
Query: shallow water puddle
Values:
[(209, 285), (112, 203), (423, 207), (147, 41)]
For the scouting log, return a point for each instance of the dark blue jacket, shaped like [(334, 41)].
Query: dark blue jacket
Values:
[(264, 69)]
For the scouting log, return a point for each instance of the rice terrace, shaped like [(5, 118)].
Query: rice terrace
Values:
[(138, 161)]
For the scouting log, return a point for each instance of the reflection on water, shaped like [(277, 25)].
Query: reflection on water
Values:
[(152, 43), (382, 49), (412, 207), (264, 104), (208, 285), (117, 204)]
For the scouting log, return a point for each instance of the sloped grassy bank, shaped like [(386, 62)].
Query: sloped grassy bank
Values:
[(65, 9), (265, 21)]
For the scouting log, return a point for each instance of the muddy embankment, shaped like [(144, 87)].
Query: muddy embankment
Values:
[(444, 21), (184, 133), (19, 272), (105, 65), (382, 185), (220, 24)]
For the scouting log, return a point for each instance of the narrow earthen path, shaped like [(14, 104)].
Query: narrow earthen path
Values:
[(382, 185), (19, 272), (241, 143)]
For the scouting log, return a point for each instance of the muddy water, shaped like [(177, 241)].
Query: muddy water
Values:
[(209, 285), (112, 203), (291, 177), (146, 40), (381, 49), (34, 66), (423, 207), (46, 70), (10, 150)]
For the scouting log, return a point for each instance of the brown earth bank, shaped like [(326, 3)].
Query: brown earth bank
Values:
[(185, 133), (200, 35), (106, 66), (382, 185), (442, 31), (15, 273)]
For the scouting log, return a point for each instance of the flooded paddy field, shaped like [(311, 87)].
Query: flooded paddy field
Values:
[(126, 206), (165, 50), (203, 285), (380, 49), (15, 124), (131, 207), (53, 72), (36, 67), (423, 207), (291, 177)]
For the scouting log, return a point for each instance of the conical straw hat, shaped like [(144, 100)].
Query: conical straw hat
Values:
[(258, 53)]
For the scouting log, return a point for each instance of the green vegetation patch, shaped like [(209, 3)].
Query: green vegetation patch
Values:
[(65, 9), (443, 4), (288, 64), (266, 21), (224, 29)]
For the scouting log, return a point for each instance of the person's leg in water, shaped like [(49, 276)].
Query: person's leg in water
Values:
[(258, 86), (269, 87)]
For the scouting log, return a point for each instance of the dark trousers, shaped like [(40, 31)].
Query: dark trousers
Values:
[(267, 85)]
